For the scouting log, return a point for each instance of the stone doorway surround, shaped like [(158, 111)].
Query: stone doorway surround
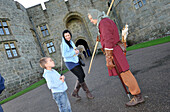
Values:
[(75, 22)]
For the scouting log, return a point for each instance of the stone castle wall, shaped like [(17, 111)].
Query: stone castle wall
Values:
[(60, 15), (146, 23), (23, 71), (19, 72)]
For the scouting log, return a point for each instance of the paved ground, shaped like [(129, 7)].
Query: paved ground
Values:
[(151, 67)]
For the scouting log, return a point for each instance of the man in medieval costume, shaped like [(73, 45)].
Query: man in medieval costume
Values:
[(109, 37)]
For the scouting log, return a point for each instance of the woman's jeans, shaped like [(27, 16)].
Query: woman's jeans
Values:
[(79, 72), (62, 101)]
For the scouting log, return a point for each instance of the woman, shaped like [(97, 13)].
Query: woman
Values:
[(70, 55), (109, 38)]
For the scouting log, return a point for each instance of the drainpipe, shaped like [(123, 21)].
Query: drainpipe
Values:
[(67, 4), (37, 36)]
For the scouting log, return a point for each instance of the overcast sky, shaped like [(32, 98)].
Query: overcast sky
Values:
[(30, 3)]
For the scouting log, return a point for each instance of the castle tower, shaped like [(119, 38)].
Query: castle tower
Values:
[(19, 53)]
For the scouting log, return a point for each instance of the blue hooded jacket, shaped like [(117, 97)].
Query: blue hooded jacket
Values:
[(68, 53)]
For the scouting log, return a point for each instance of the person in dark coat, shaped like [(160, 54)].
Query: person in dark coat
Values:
[(2, 87), (109, 37)]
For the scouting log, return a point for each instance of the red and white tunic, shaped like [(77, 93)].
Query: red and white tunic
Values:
[(109, 37)]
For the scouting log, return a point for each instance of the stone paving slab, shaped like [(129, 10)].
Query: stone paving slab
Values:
[(150, 66)]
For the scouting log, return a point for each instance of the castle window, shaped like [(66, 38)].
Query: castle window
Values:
[(4, 28), (139, 3), (44, 30), (11, 50), (50, 47)]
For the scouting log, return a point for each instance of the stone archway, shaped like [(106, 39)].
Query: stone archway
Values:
[(76, 23)]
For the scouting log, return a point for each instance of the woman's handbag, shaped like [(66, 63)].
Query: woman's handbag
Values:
[(81, 62)]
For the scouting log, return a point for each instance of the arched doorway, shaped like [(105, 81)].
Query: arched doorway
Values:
[(83, 47), (76, 23)]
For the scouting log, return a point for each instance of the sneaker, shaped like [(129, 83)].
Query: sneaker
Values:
[(135, 100)]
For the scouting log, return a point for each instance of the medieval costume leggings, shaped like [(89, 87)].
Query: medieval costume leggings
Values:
[(78, 71), (130, 82)]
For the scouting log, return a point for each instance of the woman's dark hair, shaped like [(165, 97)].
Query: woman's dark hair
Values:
[(68, 42)]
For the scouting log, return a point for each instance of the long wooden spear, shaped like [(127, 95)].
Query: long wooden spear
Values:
[(113, 60), (98, 41), (121, 80)]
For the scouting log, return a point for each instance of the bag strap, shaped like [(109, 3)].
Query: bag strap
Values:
[(61, 61), (61, 65)]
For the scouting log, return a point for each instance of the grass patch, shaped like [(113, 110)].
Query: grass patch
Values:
[(35, 85), (149, 43)]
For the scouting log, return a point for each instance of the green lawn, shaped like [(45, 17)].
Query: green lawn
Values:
[(149, 43), (137, 46)]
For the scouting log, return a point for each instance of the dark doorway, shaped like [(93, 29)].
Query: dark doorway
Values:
[(87, 52)]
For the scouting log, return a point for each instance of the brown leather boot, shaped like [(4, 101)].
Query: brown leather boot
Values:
[(135, 100), (85, 88), (76, 90)]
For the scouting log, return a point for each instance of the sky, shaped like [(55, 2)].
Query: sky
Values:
[(30, 3)]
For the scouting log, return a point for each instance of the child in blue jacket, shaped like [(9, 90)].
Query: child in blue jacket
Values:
[(56, 84)]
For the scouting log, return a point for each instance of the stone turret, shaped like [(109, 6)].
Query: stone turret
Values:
[(19, 52)]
